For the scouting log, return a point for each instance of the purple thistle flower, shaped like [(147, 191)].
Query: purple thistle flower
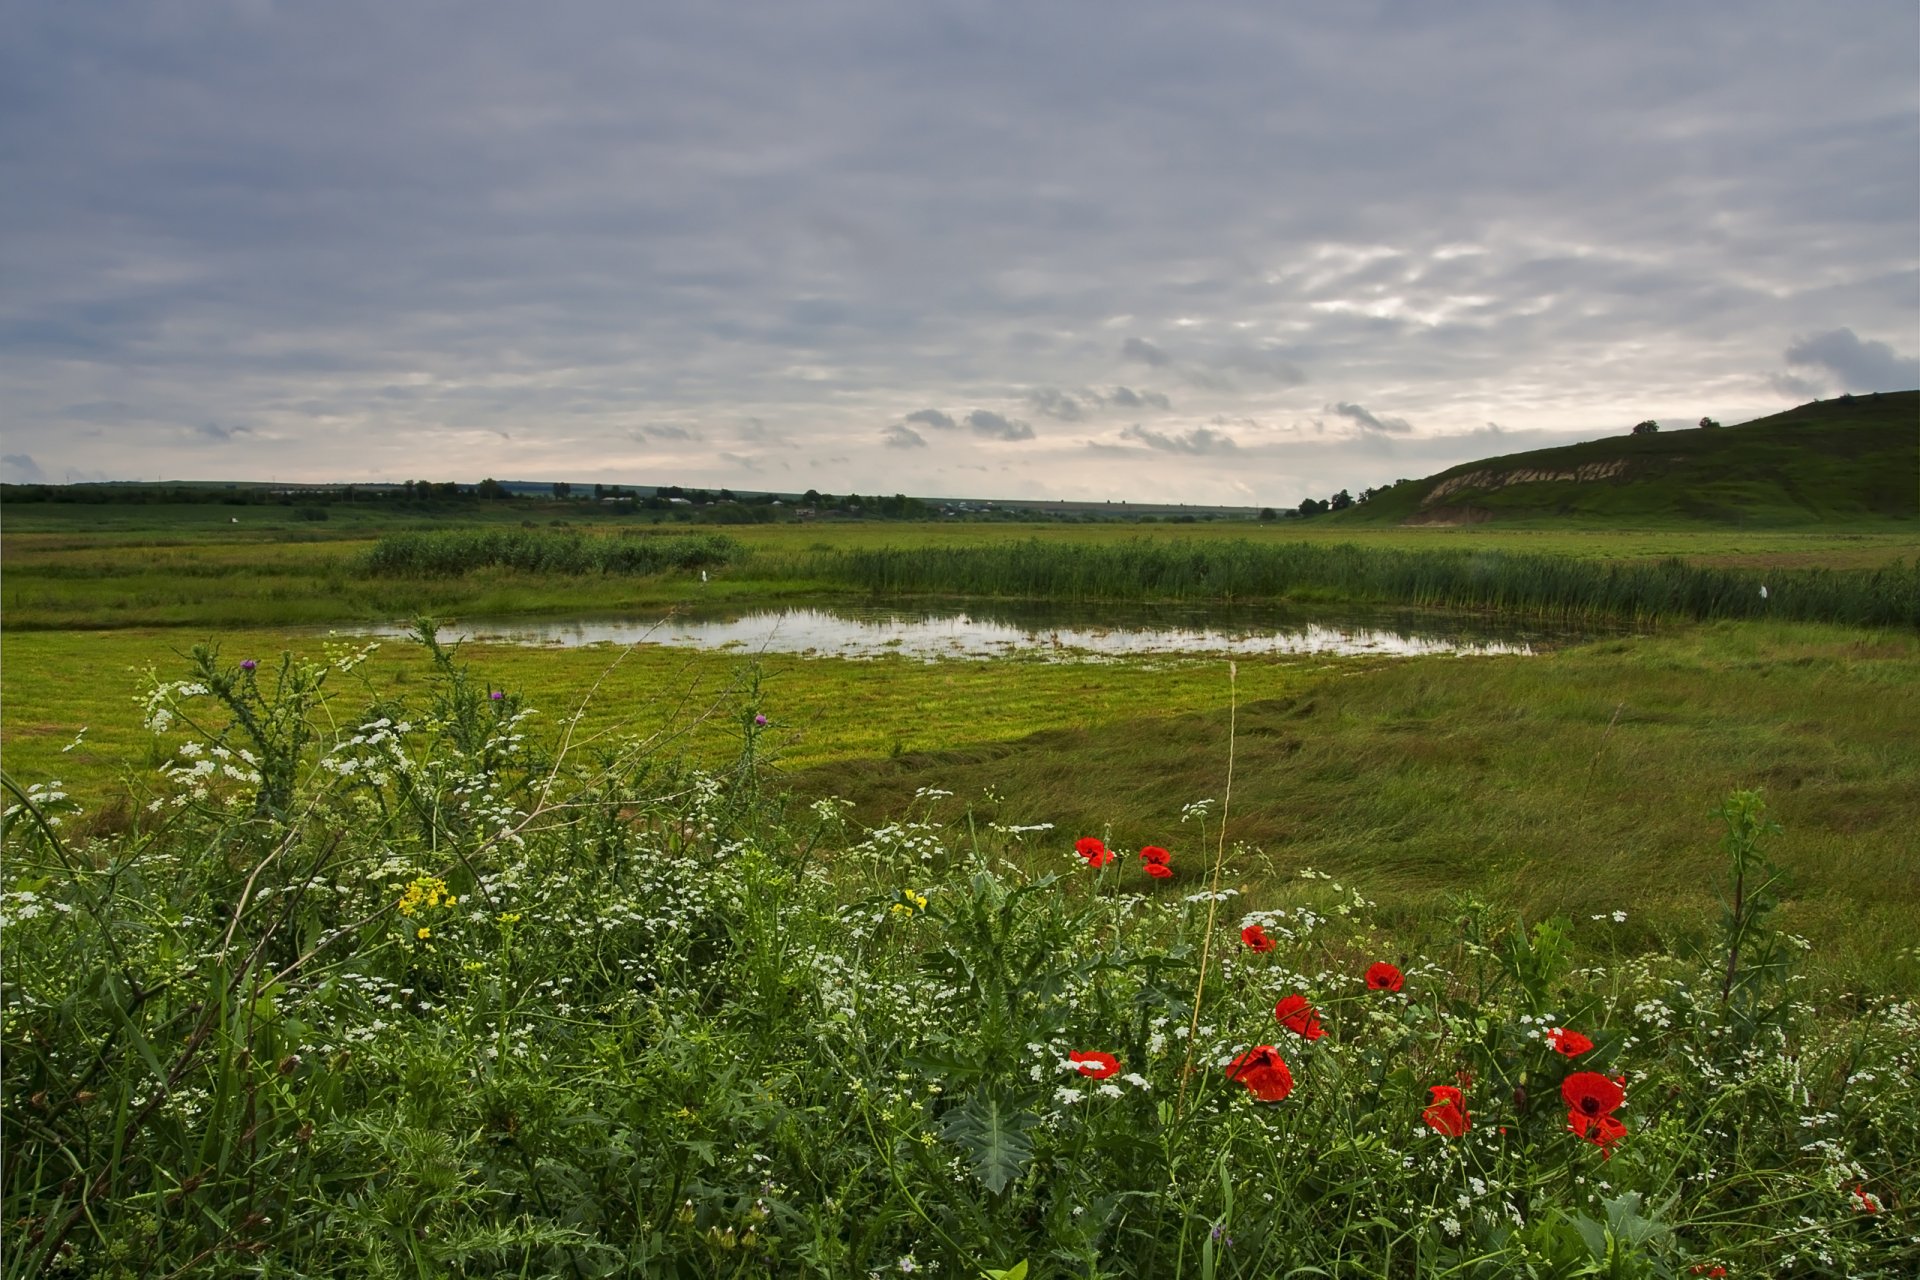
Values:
[(248, 664), (759, 720), (497, 695)]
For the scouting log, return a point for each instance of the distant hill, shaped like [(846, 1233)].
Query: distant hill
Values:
[(1851, 460)]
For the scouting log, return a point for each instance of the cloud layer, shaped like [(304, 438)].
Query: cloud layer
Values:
[(774, 246)]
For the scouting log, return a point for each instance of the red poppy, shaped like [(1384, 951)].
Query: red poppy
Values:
[(1153, 853), (1570, 1043), (1591, 1094), (1714, 1272), (1093, 850), (1602, 1131), (1264, 1073), (1447, 1113), (1868, 1203), (1096, 1064), (1256, 938), (1159, 871), (1298, 1016), (1384, 977)]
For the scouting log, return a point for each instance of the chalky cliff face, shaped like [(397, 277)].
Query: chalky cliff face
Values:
[(1475, 480)]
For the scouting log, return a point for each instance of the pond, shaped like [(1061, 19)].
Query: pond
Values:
[(980, 630)]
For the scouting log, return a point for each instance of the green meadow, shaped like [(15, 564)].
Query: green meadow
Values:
[(331, 958)]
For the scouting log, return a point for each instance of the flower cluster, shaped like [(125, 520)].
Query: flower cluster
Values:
[(1154, 860)]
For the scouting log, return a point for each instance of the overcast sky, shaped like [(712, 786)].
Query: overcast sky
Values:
[(1207, 252)]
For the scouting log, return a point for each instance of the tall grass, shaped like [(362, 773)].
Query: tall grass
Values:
[(414, 991), (1502, 581), (458, 551)]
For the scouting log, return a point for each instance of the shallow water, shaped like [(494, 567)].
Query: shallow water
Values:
[(978, 631)]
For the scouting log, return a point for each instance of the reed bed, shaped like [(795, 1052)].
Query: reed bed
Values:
[(1501, 581), (460, 551)]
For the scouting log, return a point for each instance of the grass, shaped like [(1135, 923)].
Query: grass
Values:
[(476, 998), (245, 578), (1507, 583), (1572, 782), (1413, 778)]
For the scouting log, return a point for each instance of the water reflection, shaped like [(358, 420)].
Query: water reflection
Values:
[(1046, 632)]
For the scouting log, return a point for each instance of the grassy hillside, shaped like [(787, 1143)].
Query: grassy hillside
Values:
[(1850, 461)]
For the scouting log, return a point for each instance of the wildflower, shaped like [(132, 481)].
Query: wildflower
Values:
[(423, 933), (1569, 1044), (1446, 1114), (1093, 850), (1264, 1073), (1094, 1064), (1591, 1099), (1714, 1272), (1255, 938), (1159, 870), (422, 891), (248, 664), (497, 695), (1868, 1202), (759, 721), (1382, 976), (1154, 855), (1299, 1017)]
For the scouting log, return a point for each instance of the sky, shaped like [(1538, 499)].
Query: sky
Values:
[(1236, 253)]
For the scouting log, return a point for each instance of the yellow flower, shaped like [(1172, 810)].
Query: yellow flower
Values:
[(423, 890), (423, 932)]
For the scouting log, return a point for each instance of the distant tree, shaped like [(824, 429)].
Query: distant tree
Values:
[(1341, 500), (1646, 428), (561, 489), (491, 490), (1268, 513), (1311, 506), (1708, 422)]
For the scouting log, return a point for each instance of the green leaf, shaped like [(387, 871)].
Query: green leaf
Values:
[(993, 1133), (1018, 1271)]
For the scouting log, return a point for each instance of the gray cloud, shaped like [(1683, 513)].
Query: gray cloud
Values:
[(1264, 362), (1860, 366), (552, 230), (1055, 403), (1128, 398), (1197, 441), (898, 435), (665, 431), (1144, 352), (1792, 388), (22, 469), (1368, 421), (214, 431), (933, 418), (996, 427)]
